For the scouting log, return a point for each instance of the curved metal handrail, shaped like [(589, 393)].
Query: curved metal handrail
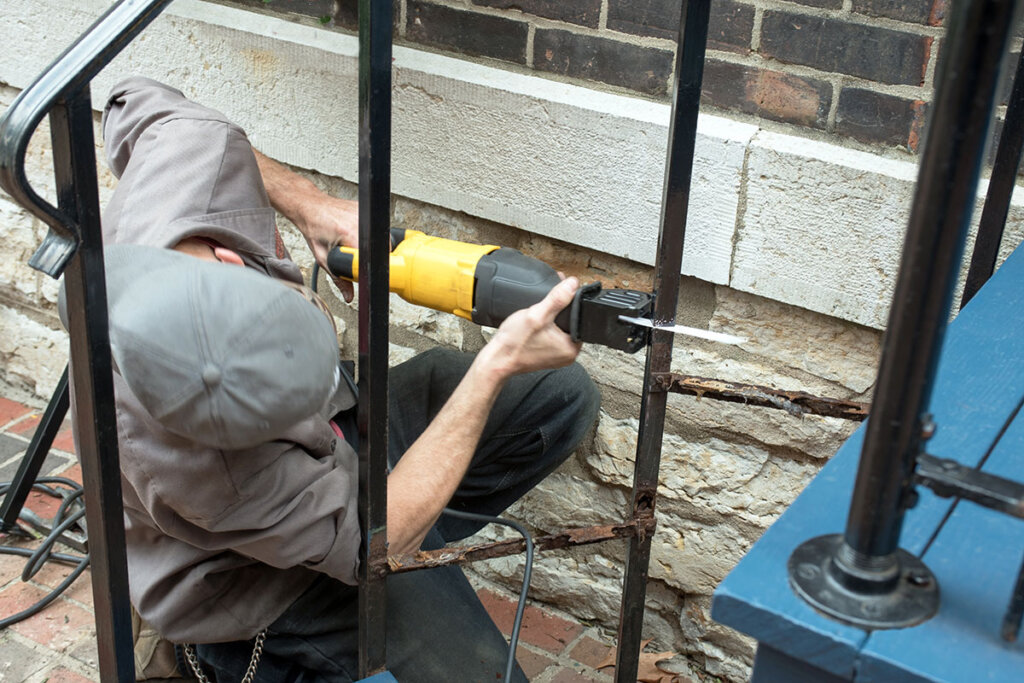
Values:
[(66, 76)]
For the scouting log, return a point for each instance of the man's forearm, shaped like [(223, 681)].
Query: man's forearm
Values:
[(324, 221), (428, 474), (289, 192)]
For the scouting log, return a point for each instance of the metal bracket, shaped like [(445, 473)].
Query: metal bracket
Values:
[(948, 479)]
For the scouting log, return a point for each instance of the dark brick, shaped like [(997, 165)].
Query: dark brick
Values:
[(878, 118), (318, 9), (771, 94), (347, 14), (658, 18), (729, 27), (582, 12), (928, 12), (470, 33), (878, 54), (645, 69)]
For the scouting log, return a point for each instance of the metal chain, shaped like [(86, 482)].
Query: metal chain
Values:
[(250, 673)]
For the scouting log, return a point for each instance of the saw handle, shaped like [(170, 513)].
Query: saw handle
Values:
[(341, 261)]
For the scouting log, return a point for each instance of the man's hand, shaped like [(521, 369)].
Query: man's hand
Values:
[(324, 221), (529, 340)]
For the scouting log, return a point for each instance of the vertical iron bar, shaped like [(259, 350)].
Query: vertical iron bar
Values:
[(1000, 190), (375, 21), (74, 161), (35, 455), (939, 221), (682, 136)]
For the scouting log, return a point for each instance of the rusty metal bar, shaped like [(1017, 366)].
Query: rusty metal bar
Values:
[(682, 137), (375, 21), (427, 559), (793, 402)]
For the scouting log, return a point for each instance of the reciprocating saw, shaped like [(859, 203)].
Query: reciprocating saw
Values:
[(486, 284)]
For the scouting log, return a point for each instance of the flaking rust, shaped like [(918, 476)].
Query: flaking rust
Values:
[(793, 402), (425, 559)]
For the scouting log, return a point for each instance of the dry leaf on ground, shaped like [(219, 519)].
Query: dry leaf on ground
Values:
[(648, 670)]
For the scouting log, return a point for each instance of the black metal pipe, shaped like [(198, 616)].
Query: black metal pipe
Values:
[(74, 161), (35, 455), (375, 22), (940, 216), (1000, 191), (682, 136)]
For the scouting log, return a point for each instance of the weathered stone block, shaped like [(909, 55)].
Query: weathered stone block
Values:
[(443, 328), (826, 347), (33, 354), (727, 478), (848, 210)]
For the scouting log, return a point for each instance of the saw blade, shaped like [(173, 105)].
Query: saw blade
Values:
[(683, 329)]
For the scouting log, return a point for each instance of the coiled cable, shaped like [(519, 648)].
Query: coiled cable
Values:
[(69, 512)]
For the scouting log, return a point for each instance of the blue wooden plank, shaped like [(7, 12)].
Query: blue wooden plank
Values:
[(980, 381), (385, 677), (976, 558)]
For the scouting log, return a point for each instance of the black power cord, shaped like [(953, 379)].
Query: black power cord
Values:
[(527, 573), (69, 513)]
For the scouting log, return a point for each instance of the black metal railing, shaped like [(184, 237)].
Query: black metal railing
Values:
[(74, 248)]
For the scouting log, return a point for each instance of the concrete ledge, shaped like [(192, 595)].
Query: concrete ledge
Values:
[(806, 223)]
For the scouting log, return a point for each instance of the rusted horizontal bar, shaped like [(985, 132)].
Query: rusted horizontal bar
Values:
[(425, 559), (793, 402)]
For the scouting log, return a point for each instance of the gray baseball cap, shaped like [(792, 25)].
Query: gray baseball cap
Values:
[(217, 353)]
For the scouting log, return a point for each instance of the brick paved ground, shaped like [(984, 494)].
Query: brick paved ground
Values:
[(58, 645)]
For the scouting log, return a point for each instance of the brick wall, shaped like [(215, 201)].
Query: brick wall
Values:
[(854, 69)]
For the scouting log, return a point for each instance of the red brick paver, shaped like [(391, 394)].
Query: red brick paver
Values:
[(590, 652), (65, 676), (26, 426), (539, 628), (58, 627), (10, 410), (570, 676)]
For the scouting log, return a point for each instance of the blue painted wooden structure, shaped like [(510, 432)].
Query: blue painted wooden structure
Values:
[(974, 552), (385, 677)]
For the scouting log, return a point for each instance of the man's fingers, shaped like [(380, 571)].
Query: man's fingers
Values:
[(558, 298)]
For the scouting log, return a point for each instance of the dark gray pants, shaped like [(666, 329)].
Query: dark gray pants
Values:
[(437, 630)]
